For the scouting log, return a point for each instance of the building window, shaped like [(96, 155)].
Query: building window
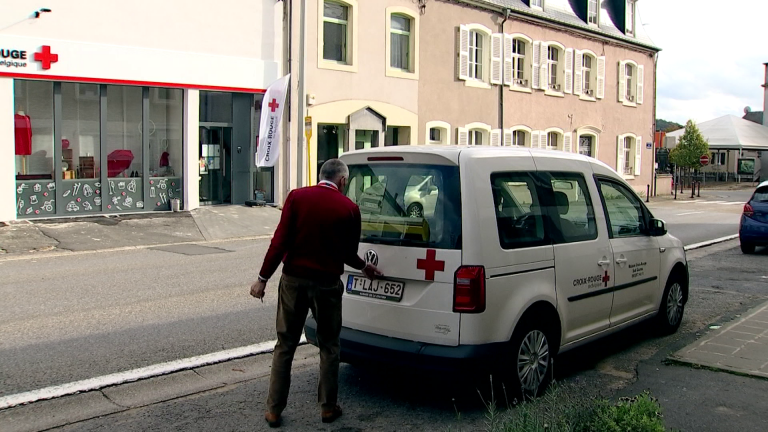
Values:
[(630, 25), (518, 60), (552, 141), (592, 12), (586, 145), (628, 72), (475, 137), (537, 3), (434, 135), (630, 83), (400, 38), (335, 31), (586, 74), (438, 132), (553, 56), (627, 149), (476, 55), (519, 138)]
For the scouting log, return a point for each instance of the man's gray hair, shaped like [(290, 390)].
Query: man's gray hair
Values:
[(334, 169)]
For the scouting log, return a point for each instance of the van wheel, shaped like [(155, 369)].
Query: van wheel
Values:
[(415, 210), (531, 358), (747, 248), (672, 306)]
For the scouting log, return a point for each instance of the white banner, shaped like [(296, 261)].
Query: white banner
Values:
[(269, 127)]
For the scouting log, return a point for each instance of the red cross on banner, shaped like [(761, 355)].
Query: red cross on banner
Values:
[(430, 265), (273, 105), (46, 58)]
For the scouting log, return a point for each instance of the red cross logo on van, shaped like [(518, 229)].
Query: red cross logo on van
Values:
[(430, 265), (606, 278)]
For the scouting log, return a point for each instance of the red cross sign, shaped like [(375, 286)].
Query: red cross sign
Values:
[(273, 105), (606, 278), (430, 265), (46, 58)]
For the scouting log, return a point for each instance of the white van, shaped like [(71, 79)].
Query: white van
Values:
[(500, 257)]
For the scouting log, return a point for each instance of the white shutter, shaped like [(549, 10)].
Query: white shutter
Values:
[(620, 156), (535, 139), (600, 90), (496, 138), (462, 136), (497, 40), (638, 154), (622, 81), (463, 52), (578, 63), (569, 70), (640, 73), (544, 67), (567, 142), (508, 66), (543, 140), (535, 64), (507, 137)]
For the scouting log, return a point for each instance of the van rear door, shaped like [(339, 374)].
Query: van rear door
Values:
[(410, 207)]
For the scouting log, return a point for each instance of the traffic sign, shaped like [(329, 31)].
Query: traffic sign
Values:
[(704, 160)]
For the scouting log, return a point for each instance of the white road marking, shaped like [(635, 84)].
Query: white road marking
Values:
[(688, 213), (97, 383), (711, 242), (730, 203), (709, 202)]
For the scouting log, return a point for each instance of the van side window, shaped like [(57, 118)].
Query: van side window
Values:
[(572, 209), (519, 218), (624, 211)]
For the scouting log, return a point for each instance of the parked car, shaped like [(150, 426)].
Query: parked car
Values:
[(753, 228), (522, 255)]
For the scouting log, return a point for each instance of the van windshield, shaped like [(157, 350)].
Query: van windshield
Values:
[(408, 204)]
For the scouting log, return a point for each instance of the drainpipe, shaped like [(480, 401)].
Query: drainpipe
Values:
[(300, 111), (653, 167), (507, 13)]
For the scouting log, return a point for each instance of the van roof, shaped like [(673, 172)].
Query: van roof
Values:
[(452, 152)]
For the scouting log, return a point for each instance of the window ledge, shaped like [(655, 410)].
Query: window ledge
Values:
[(477, 84), (401, 73), (627, 177), (520, 89), (332, 65), (629, 104), (587, 98), (554, 93)]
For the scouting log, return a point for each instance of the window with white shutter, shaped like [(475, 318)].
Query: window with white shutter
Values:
[(629, 155), (438, 132), (508, 138), (586, 80), (496, 138), (630, 83), (638, 154), (640, 73), (569, 70), (567, 142), (521, 137), (578, 72), (462, 136), (520, 55), (497, 41), (463, 52), (536, 66), (535, 139), (600, 90), (509, 67), (622, 82)]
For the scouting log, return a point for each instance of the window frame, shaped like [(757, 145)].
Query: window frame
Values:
[(635, 148), (413, 67), (559, 68), (445, 131), (631, 195), (514, 60), (636, 86), (593, 14), (630, 18), (536, 6), (554, 215), (560, 134), (592, 131), (351, 64), (485, 54)]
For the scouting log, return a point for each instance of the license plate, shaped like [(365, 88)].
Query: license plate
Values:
[(378, 289)]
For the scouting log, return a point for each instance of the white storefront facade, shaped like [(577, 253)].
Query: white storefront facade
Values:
[(110, 108)]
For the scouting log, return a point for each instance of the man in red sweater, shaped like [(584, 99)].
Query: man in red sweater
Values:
[(319, 232)]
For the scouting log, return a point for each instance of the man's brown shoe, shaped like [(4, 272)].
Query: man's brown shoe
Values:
[(330, 415), (273, 420)]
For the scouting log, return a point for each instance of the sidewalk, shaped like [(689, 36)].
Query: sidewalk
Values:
[(212, 223), (740, 346)]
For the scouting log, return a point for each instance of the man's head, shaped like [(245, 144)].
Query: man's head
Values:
[(335, 171)]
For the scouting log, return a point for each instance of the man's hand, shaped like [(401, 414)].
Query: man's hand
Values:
[(371, 272), (258, 288)]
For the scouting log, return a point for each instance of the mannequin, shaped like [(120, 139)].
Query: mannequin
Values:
[(23, 129)]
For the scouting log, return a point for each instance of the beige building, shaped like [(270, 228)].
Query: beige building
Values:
[(573, 75)]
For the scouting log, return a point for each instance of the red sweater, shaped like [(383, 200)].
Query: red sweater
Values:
[(319, 232)]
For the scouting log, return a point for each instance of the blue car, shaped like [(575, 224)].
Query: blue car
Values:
[(753, 229)]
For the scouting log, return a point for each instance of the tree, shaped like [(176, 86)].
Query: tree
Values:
[(691, 146)]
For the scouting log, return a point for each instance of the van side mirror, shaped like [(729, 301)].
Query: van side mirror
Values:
[(658, 228)]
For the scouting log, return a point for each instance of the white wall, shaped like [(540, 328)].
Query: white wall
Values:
[(7, 153)]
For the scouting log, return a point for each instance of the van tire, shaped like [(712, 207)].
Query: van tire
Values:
[(529, 382), (672, 307)]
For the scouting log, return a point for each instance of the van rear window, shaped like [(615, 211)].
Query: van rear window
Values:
[(408, 204)]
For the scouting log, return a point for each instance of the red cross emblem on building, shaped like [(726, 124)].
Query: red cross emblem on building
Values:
[(606, 278), (46, 57), (273, 105), (430, 265)]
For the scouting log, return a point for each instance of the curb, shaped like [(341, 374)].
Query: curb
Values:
[(710, 242)]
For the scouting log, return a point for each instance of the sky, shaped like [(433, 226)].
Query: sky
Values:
[(712, 55)]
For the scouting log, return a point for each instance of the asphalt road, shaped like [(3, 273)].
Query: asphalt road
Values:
[(714, 216)]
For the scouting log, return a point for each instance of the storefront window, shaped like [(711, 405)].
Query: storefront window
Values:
[(215, 107), (165, 144), (124, 131), (33, 117), (80, 131)]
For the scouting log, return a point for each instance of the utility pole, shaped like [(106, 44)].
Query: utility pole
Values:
[(300, 97)]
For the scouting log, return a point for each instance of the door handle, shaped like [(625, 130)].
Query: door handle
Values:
[(604, 263), (621, 260)]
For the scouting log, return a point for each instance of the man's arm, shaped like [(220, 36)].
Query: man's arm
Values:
[(352, 259), (281, 242)]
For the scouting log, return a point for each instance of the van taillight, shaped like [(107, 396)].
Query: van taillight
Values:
[(469, 289), (748, 210)]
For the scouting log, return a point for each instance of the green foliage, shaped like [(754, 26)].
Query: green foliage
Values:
[(667, 126), (638, 414), (690, 147)]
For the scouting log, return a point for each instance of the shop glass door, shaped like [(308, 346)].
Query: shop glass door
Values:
[(215, 165)]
